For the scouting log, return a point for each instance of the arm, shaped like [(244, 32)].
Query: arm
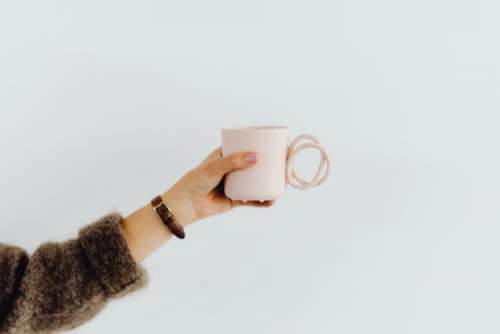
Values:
[(65, 284)]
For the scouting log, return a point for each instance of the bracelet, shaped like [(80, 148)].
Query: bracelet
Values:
[(167, 217)]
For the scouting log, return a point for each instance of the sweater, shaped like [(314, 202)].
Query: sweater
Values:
[(62, 285)]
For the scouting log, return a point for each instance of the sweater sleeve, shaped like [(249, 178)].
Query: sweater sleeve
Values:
[(62, 285)]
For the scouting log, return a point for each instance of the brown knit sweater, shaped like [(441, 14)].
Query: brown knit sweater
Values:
[(62, 285)]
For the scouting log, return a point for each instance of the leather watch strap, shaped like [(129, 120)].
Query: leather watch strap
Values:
[(167, 217)]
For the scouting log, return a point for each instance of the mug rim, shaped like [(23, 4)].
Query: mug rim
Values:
[(257, 128)]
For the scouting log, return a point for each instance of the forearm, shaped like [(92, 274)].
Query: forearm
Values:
[(144, 230)]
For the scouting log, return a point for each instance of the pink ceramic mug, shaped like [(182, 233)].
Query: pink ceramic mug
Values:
[(267, 180)]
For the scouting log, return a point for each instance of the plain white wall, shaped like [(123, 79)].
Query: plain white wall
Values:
[(104, 104)]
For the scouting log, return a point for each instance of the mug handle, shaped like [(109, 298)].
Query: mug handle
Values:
[(294, 179)]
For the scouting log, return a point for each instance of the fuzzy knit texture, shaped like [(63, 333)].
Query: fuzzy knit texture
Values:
[(62, 285)]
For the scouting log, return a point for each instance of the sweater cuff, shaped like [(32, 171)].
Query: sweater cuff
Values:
[(105, 246)]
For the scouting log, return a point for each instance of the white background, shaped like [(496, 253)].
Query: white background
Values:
[(104, 104)]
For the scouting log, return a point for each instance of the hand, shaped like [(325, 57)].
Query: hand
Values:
[(200, 193)]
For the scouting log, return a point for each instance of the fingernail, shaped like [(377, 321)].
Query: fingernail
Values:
[(250, 157)]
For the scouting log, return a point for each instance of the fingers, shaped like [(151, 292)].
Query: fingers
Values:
[(219, 167), (258, 204)]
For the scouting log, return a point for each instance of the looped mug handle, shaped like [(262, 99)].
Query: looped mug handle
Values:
[(295, 180)]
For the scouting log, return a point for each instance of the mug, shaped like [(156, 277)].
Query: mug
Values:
[(267, 179)]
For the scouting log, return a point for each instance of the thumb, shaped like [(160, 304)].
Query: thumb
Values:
[(220, 167)]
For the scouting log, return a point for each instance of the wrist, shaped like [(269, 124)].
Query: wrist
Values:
[(181, 207)]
